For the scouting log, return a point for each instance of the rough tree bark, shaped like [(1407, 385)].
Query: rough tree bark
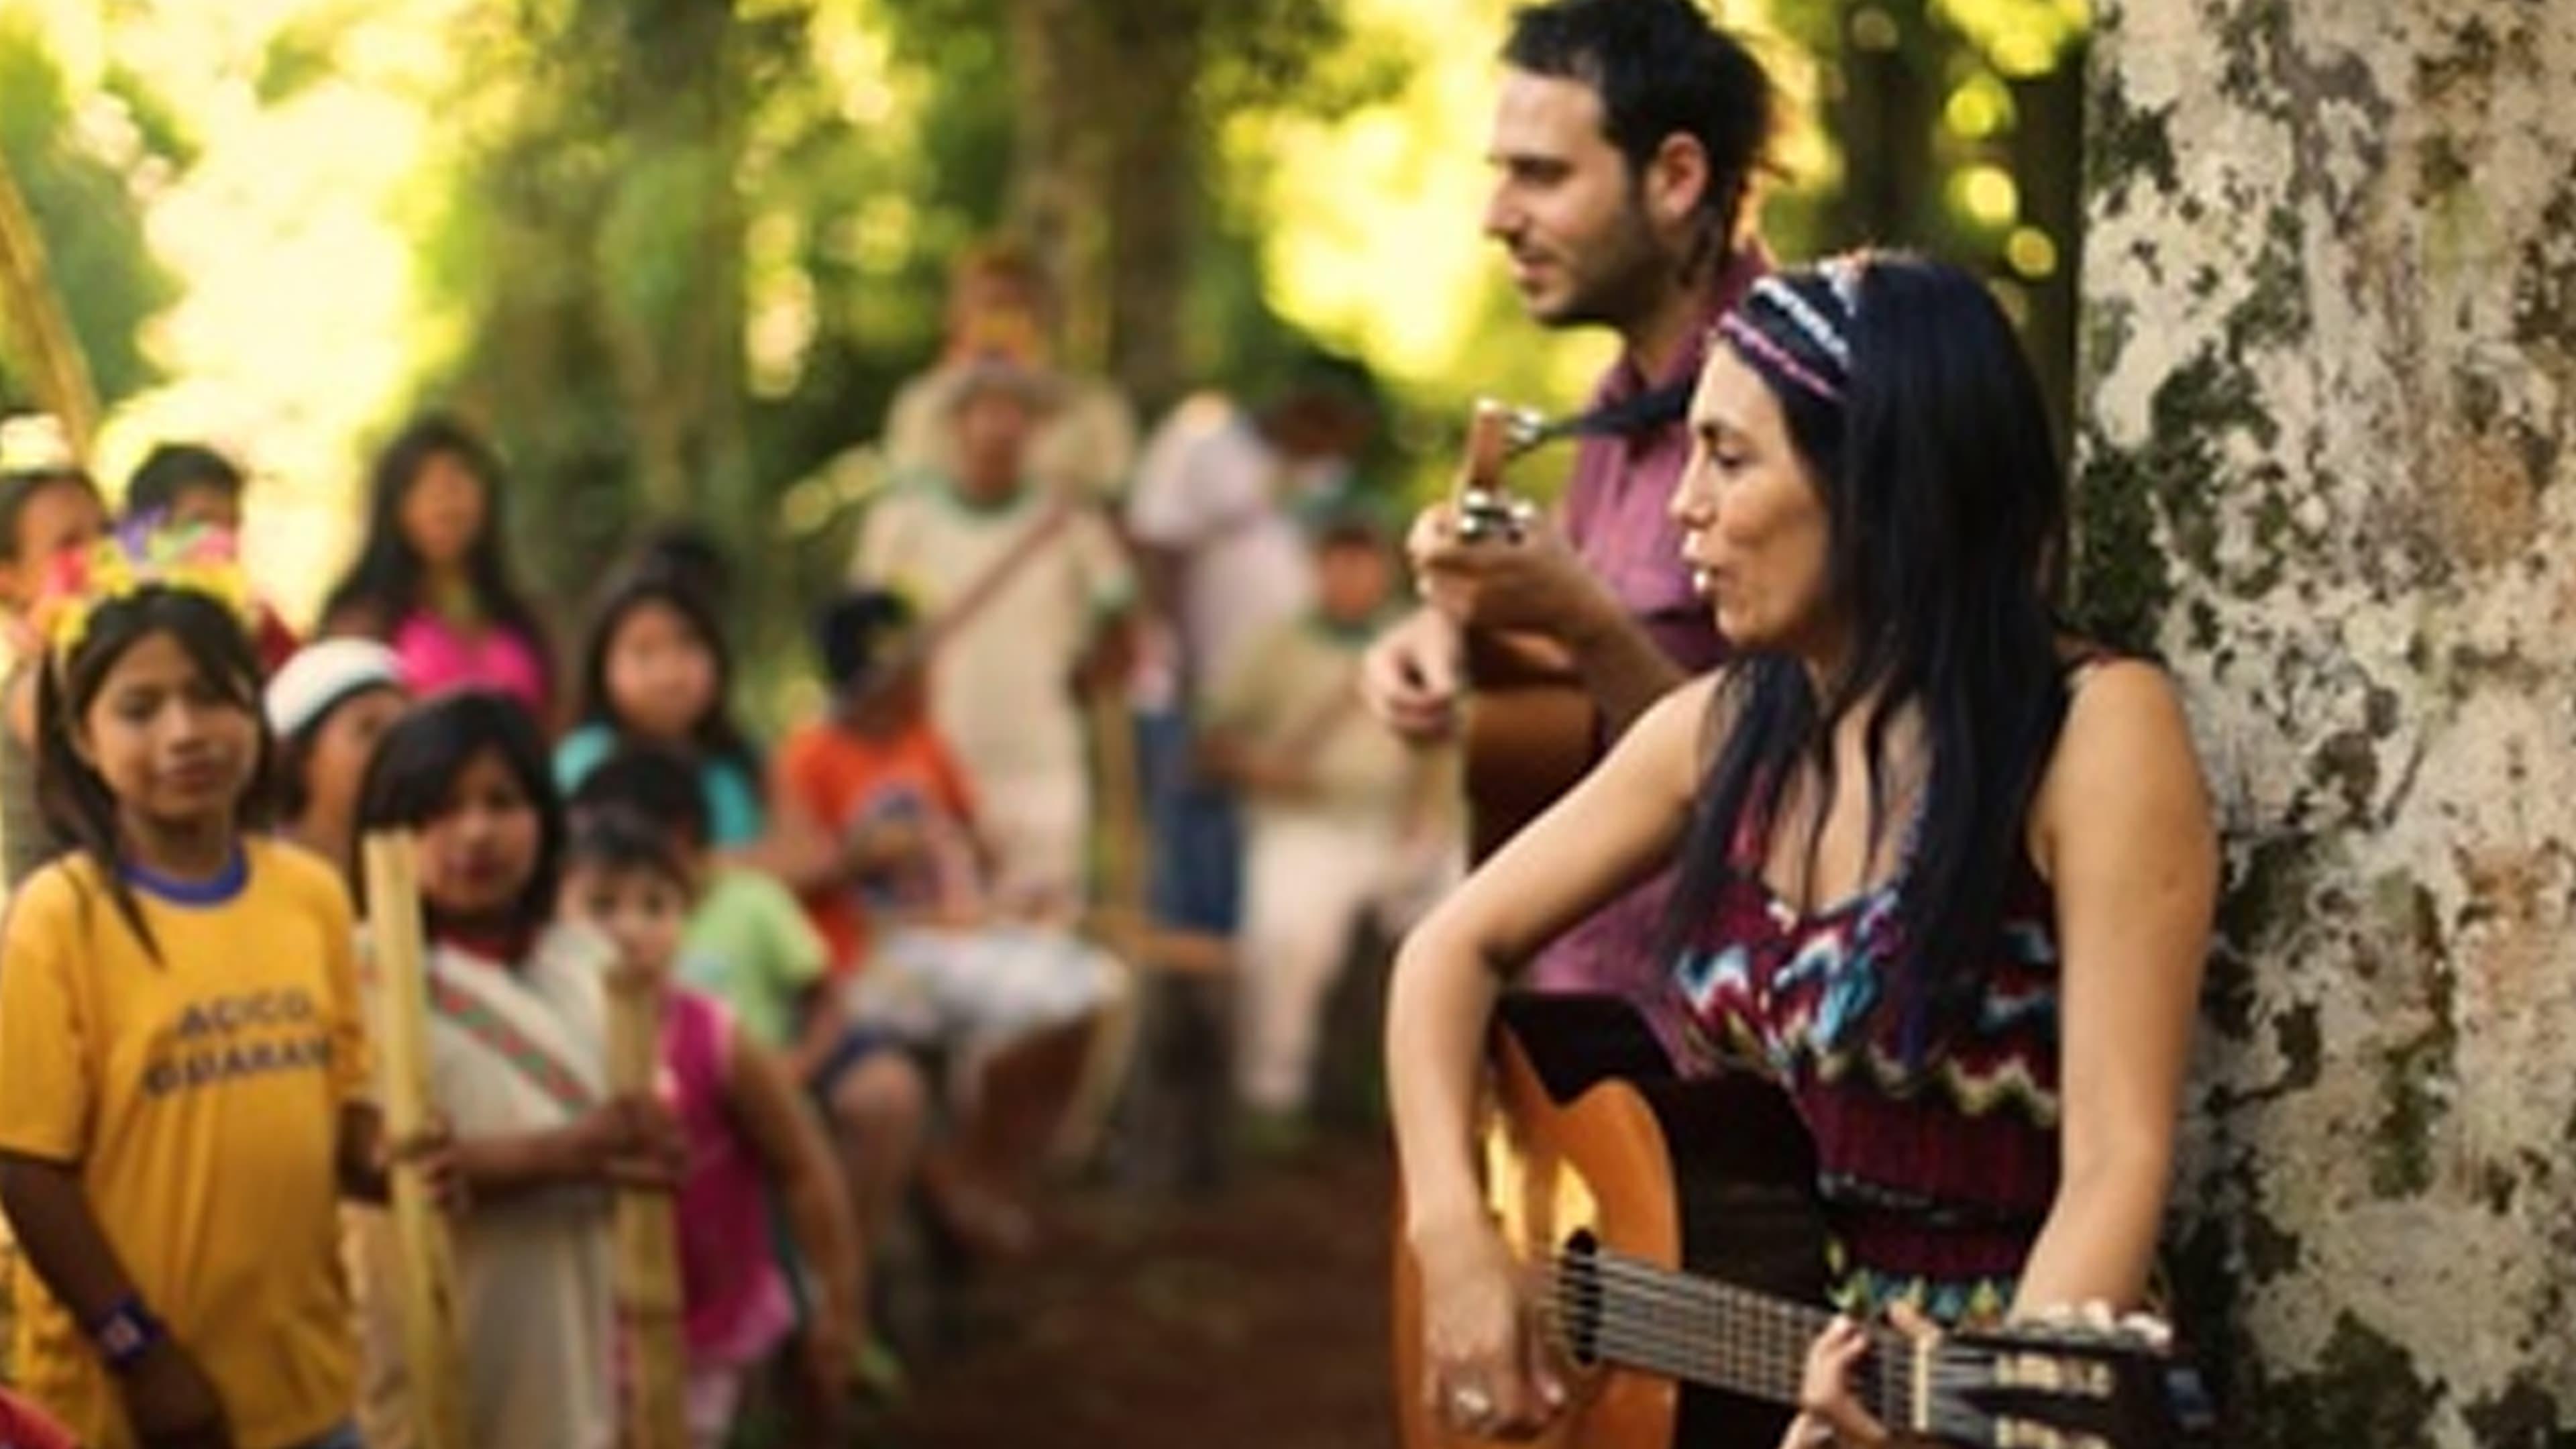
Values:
[(1105, 184), (2330, 388)]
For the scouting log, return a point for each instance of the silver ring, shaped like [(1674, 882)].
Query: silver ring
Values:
[(1471, 1403)]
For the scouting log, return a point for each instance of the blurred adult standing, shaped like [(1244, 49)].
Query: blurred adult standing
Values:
[(1217, 518), (1002, 308)]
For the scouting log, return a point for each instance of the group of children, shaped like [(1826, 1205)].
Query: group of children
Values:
[(186, 1095)]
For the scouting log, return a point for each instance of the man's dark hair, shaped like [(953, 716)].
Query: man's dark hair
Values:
[(1661, 67)]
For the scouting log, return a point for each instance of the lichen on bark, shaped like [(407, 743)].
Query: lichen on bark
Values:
[(2328, 406)]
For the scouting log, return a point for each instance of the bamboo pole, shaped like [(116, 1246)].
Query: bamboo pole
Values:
[(1120, 925), (432, 1350), (33, 321), (648, 1259)]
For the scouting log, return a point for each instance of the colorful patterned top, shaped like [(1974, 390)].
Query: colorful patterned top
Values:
[(1935, 1178)]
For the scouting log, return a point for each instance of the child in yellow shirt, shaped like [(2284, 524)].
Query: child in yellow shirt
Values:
[(181, 1061)]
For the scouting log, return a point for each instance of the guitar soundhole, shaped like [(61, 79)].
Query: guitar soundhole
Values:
[(1578, 1298)]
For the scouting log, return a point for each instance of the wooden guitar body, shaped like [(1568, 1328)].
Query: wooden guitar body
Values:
[(1528, 734), (1529, 728), (1591, 1142)]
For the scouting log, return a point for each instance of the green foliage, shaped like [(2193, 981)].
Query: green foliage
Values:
[(638, 185), (85, 205)]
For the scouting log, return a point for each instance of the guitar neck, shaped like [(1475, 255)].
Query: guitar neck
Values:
[(1716, 1335)]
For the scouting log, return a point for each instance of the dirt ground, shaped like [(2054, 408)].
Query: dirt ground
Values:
[(1252, 1316)]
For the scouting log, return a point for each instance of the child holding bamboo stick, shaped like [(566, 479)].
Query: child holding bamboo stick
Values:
[(517, 1067), (181, 1057), (748, 1134)]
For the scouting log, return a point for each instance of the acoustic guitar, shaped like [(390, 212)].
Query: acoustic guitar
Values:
[(1528, 729), (1676, 1256)]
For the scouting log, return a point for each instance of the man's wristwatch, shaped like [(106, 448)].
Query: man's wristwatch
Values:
[(125, 1333)]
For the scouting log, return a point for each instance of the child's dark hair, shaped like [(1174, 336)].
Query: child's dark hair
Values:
[(657, 784), (715, 733), (172, 469), (18, 488), (417, 765), (690, 556), (616, 841), (855, 632), (75, 798), (386, 581)]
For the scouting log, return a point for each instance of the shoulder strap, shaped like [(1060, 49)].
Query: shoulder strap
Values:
[(467, 1010), (989, 584)]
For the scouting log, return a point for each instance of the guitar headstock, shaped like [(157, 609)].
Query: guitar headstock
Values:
[(1495, 431), (2069, 1381)]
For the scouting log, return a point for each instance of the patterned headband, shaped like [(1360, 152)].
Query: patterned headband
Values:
[(1750, 340), (1803, 315), (1787, 315), (142, 554)]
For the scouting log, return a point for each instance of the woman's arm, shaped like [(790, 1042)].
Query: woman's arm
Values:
[(799, 1163), (1610, 830), (1620, 823), (2122, 830)]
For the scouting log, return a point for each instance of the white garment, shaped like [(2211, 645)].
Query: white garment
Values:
[(1001, 686), (534, 1301), (1309, 880), (1211, 490)]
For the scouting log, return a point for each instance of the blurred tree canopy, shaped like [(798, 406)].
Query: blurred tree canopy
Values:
[(677, 254), (75, 167)]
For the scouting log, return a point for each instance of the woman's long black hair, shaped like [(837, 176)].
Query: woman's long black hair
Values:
[(385, 581), (1946, 505), (715, 734), (419, 760), (77, 803)]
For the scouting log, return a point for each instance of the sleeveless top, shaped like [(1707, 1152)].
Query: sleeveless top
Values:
[(1934, 1178), (736, 1300)]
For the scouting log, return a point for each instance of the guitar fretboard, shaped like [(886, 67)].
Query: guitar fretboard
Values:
[(1715, 1334)]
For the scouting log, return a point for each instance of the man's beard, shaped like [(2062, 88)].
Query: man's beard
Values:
[(1618, 282)]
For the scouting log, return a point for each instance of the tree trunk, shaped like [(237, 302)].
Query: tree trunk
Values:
[(2330, 403), (1105, 183), (1057, 174), (1153, 195), (1891, 101), (2047, 165)]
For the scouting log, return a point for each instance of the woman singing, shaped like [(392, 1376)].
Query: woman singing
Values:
[(1947, 871)]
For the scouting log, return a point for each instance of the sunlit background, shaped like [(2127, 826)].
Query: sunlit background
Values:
[(676, 254)]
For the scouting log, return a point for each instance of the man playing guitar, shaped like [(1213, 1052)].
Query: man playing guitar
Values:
[(1626, 138)]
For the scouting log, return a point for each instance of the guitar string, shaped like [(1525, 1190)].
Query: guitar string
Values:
[(1700, 1311), (1684, 1326), (1694, 1328), (1687, 1352)]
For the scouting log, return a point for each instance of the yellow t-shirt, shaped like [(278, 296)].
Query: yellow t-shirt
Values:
[(200, 1096)]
